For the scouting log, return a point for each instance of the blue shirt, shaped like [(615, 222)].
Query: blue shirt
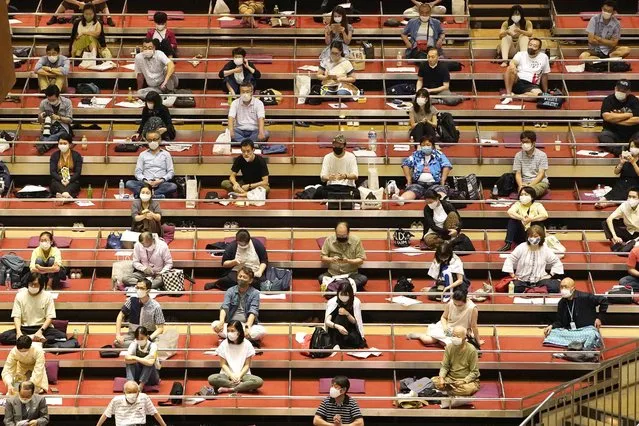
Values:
[(412, 28), (609, 31), (154, 166), (232, 300), (417, 162), (62, 63)]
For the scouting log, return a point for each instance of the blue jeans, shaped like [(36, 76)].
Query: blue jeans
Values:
[(142, 374), (54, 137), (239, 135), (160, 191)]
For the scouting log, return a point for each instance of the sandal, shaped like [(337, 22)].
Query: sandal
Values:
[(206, 391)]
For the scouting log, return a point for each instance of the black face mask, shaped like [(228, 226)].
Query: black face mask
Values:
[(342, 239), (532, 52), (338, 151)]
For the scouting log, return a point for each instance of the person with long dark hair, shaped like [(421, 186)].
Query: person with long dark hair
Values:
[(46, 259), (88, 31), (338, 29), (343, 318), (65, 168), (421, 113), (141, 360), (155, 116), (448, 269), (514, 34), (523, 214)]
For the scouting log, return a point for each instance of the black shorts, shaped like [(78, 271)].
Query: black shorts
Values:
[(598, 53), (523, 86)]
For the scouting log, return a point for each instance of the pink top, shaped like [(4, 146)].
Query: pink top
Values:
[(157, 257)]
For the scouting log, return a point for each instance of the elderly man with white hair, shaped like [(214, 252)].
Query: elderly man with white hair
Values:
[(131, 408)]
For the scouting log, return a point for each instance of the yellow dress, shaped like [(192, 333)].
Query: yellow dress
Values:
[(29, 365)]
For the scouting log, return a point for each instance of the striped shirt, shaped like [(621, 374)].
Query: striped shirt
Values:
[(530, 265), (130, 414), (530, 165), (348, 411), (149, 315)]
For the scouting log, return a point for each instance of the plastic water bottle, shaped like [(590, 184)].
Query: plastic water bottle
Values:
[(372, 140), (400, 57), (7, 280), (276, 10), (130, 98), (121, 188), (90, 192), (495, 192)]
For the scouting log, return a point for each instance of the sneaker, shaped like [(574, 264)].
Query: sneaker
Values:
[(391, 188), (227, 225), (537, 125), (505, 247), (506, 101), (53, 20), (544, 124)]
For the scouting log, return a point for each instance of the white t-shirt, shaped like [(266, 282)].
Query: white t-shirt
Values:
[(235, 355), (455, 266), (332, 165), (531, 69), (439, 215)]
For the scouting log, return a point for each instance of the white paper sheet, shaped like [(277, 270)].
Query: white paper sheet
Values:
[(226, 18), (401, 69), (213, 351), (339, 105), (311, 68), (364, 153), (576, 68), (504, 255), (53, 400), (134, 104), (193, 401), (367, 354), (124, 196), (509, 106), (279, 296), (401, 147), (33, 188), (85, 203), (588, 153), (238, 151), (130, 236), (488, 141), (403, 107), (299, 337), (106, 65), (14, 21), (123, 353), (178, 147), (124, 253), (403, 300), (128, 66), (409, 251)]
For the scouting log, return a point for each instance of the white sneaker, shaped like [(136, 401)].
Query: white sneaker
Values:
[(397, 200), (506, 101)]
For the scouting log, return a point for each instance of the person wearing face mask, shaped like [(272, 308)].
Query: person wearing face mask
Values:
[(244, 252), (139, 310), (164, 35), (628, 171), (343, 318), (528, 263), (423, 32), (46, 259), (146, 214), (604, 32), (155, 69), (530, 165), (156, 117), (421, 115), (620, 114), (241, 303), (25, 362), (459, 374), (65, 168), (523, 214), (131, 408), (236, 354), (154, 167), (622, 226), (246, 117), (447, 269), (101, 7), (527, 74), (434, 76), (339, 171), (26, 408), (337, 74), (441, 220), (253, 168), (58, 111), (344, 254), (338, 408), (239, 71), (88, 30), (151, 258), (514, 34), (426, 169), (338, 29), (577, 318), (413, 12), (52, 68), (142, 363)]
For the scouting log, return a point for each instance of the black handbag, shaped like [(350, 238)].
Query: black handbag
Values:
[(177, 389), (112, 353), (340, 200)]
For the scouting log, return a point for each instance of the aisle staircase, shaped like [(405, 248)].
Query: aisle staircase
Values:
[(491, 13)]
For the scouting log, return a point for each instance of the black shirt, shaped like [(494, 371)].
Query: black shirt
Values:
[(631, 104), (165, 116), (252, 172), (434, 77), (584, 310), (628, 171)]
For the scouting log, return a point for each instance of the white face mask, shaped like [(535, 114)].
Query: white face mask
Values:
[(34, 290), (424, 19), (25, 400), (433, 205), (238, 61), (154, 145), (232, 336), (633, 202), (526, 146), (246, 97), (145, 197), (344, 299), (421, 101), (565, 292), (52, 59), (634, 151), (141, 343), (456, 341), (337, 19), (131, 397), (525, 199), (516, 18), (160, 27), (148, 53), (606, 15), (621, 96), (534, 241), (63, 148), (334, 392), (140, 293), (45, 245)]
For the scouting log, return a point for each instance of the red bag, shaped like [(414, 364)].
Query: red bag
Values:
[(307, 344), (502, 286), (537, 290), (422, 45)]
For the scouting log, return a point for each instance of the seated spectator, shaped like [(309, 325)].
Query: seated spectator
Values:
[(36, 413), (434, 76), (622, 226), (530, 165), (146, 213), (604, 32), (344, 254), (141, 360), (250, 7), (87, 34), (413, 12), (155, 117), (458, 312), (151, 258), (155, 69), (339, 171), (133, 406), (241, 303), (343, 318), (441, 220), (246, 117), (527, 74), (239, 71), (165, 36), (527, 264), (338, 29), (33, 312), (100, 6), (421, 115), (139, 310), (65, 168), (336, 71), (253, 168), (523, 213), (514, 34), (244, 252), (236, 354), (426, 169), (56, 115), (25, 362), (577, 317), (52, 68), (459, 374), (448, 269), (338, 408), (155, 168), (632, 268), (628, 171), (423, 32), (620, 113), (46, 259)]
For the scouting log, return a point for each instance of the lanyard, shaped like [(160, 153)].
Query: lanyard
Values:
[(571, 310)]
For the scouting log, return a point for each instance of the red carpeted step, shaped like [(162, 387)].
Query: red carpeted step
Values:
[(311, 284), (272, 387), (378, 387)]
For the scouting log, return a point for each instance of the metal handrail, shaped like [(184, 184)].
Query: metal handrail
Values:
[(536, 410)]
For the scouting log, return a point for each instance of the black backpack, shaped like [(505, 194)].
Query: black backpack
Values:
[(454, 66), (506, 184), (404, 285), (185, 99), (615, 66), (446, 128), (320, 340), (468, 185), (403, 89), (5, 176), (620, 295), (17, 269), (401, 238)]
